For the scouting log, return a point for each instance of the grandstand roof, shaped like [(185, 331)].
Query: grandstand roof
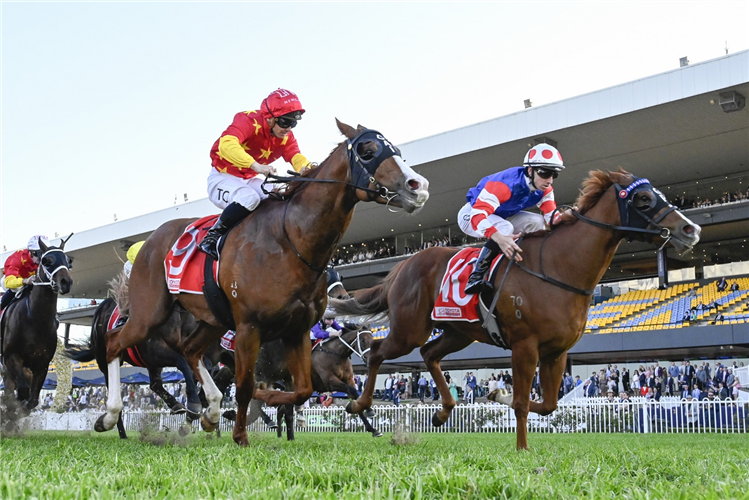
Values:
[(668, 127)]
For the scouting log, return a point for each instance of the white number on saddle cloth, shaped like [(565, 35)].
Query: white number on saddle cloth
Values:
[(452, 279), (182, 250)]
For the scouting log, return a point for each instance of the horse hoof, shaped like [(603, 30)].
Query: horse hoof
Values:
[(377, 434), (207, 425), (241, 440), (99, 424), (369, 413), (230, 415), (436, 420), (195, 408), (272, 426)]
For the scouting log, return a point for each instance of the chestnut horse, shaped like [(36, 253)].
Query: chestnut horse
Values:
[(273, 263), (541, 316), (29, 329)]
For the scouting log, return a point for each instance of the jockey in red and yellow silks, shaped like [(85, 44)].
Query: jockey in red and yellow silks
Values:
[(19, 269), (495, 208), (245, 149)]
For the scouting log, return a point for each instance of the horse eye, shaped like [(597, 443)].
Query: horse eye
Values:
[(47, 261)]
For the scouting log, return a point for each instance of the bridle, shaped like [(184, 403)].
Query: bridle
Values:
[(50, 271), (362, 169), (649, 215), (355, 346)]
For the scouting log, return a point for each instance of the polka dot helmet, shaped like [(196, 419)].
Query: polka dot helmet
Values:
[(544, 156)]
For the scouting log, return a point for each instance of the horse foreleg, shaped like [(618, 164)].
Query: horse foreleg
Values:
[(364, 401), (37, 381), (289, 419), (114, 399), (524, 361), (298, 359), (157, 386), (247, 344), (433, 352), (194, 405), (550, 373), (121, 428)]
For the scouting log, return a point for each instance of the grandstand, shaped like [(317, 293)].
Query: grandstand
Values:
[(656, 309)]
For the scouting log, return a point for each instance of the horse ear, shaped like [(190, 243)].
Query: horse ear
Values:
[(42, 246), (62, 245), (346, 130)]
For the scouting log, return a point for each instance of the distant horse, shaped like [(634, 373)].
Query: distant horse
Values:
[(156, 352), (332, 371), (273, 263), (29, 329), (541, 315)]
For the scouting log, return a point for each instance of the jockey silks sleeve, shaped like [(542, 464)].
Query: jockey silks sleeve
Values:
[(18, 265), (249, 139), (504, 194)]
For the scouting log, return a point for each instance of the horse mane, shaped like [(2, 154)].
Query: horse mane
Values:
[(593, 188), (292, 187), (119, 290)]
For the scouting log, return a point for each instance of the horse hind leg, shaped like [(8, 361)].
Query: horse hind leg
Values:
[(194, 404), (157, 386), (289, 420), (524, 361)]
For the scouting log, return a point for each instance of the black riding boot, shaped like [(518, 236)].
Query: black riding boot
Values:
[(481, 267), (230, 217), (7, 299)]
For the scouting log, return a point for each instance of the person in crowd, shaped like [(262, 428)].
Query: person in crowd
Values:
[(721, 284), (388, 396), (422, 387), (453, 390), (20, 268), (495, 208), (435, 392), (253, 141)]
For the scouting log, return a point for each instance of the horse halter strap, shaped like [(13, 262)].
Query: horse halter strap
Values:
[(51, 274), (368, 165), (356, 350)]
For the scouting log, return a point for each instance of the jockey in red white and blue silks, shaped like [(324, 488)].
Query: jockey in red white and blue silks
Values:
[(495, 208), (253, 141)]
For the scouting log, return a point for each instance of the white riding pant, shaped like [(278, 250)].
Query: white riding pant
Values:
[(224, 189), (521, 222)]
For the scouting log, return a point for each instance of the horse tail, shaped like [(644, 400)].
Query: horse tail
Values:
[(370, 302), (80, 352), (119, 288)]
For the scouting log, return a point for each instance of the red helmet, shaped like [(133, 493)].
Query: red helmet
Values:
[(283, 102)]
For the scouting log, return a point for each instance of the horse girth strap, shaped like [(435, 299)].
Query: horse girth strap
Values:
[(215, 297)]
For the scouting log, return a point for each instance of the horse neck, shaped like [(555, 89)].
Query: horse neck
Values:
[(592, 247), (43, 303), (323, 210)]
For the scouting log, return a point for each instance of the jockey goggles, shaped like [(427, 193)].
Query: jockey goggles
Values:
[(546, 174), (285, 122)]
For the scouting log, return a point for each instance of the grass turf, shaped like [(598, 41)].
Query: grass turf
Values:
[(62, 465)]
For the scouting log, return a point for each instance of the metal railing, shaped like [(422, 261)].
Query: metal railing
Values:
[(584, 415)]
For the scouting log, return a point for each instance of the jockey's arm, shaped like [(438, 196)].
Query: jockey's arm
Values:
[(300, 162)]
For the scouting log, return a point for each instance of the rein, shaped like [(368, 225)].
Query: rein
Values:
[(625, 204)]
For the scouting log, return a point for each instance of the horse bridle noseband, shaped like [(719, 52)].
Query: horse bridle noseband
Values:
[(356, 350), (50, 274), (365, 176)]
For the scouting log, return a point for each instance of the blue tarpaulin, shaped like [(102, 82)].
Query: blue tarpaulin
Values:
[(173, 376), (136, 378)]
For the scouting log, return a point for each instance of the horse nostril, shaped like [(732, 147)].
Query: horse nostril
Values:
[(688, 229), (414, 184)]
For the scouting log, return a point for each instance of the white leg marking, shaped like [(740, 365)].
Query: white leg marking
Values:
[(114, 400), (212, 394)]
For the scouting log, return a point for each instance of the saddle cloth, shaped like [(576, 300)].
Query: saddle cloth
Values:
[(184, 264), (132, 354), (452, 303), (227, 341)]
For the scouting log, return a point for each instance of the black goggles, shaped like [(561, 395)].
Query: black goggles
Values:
[(285, 122), (547, 174)]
